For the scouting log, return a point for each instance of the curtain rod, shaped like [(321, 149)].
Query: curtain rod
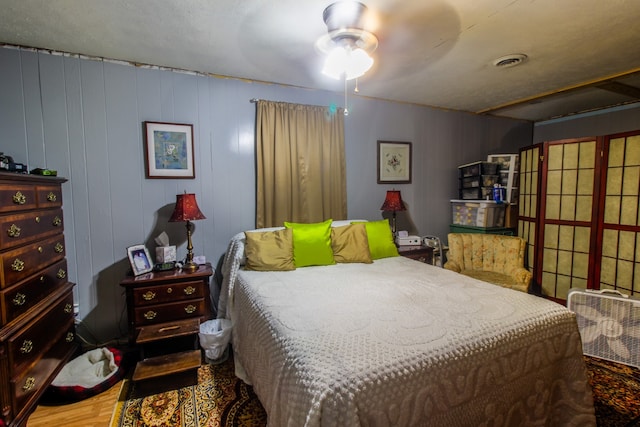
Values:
[(254, 100)]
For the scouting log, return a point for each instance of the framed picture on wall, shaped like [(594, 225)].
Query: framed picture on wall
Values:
[(394, 162), (169, 150), (140, 259)]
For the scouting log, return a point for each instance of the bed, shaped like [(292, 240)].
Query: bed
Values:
[(399, 342)]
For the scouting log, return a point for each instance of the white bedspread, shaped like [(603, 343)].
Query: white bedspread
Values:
[(402, 343)]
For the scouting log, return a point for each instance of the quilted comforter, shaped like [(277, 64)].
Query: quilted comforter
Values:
[(402, 343)]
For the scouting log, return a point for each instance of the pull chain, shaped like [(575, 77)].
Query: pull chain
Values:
[(346, 110)]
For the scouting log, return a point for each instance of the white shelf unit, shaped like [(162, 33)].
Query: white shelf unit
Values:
[(508, 166)]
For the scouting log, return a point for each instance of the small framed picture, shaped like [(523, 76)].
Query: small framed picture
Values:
[(140, 259), (169, 150), (394, 162)]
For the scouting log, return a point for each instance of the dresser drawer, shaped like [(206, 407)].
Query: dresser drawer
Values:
[(25, 227), (49, 196), (29, 384), (17, 197), (20, 263), (166, 293), (29, 343), (20, 298), (168, 312)]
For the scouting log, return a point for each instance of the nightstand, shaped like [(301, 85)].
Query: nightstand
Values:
[(418, 252), (167, 307)]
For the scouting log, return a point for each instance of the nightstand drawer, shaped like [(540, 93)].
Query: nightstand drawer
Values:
[(418, 253), (149, 295), (162, 313)]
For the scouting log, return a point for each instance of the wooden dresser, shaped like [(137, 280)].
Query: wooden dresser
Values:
[(37, 335)]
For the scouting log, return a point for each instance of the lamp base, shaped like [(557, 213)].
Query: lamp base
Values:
[(190, 267)]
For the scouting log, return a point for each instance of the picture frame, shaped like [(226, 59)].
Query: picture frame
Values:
[(169, 150), (139, 259), (394, 162)]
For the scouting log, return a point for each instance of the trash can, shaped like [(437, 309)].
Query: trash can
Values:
[(214, 339)]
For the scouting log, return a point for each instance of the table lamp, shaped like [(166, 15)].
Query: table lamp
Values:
[(393, 203), (187, 210)]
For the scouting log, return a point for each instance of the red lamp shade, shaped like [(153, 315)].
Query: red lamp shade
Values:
[(186, 209), (393, 202)]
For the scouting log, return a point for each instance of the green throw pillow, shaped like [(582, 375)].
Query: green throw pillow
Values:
[(380, 238), (311, 243)]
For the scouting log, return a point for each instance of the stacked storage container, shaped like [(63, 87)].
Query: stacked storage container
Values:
[(476, 180)]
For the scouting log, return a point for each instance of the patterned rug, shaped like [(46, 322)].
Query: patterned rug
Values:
[(616, 392), (219, 399), (222, 400)]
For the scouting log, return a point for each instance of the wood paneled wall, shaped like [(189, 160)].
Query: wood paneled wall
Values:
[(83, 117)]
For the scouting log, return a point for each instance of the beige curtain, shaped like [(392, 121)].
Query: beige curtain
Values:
[(300, 164)]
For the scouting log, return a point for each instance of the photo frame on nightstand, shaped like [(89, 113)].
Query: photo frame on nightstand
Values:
[(140, 259)]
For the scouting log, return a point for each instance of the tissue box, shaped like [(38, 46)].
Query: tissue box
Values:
[(165, 254)]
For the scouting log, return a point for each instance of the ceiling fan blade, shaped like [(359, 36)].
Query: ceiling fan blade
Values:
[(591, 333), (619, 348)]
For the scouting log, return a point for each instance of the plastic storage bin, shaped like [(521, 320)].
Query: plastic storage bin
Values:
[(478, 213), (477, 169)]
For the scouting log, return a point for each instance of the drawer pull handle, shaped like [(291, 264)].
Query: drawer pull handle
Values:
[(150, 315), (68, 308), (148, 296), (14, 231), (189, 309), (61, 274), (69, 337), (189, 290), (29, 384), (57, 221), (51, 196), (169, 290), (41, 279), (59, 248), (19, 198), (37, 220), (40, 249), (19, 299), (27, 346), (17, 265)]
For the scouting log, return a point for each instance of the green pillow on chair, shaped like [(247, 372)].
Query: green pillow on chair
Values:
[(311, 243)]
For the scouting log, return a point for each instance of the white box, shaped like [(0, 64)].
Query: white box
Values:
[(408, 241)]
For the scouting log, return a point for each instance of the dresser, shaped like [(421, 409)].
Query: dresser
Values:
[(37, 335), (163, 306)]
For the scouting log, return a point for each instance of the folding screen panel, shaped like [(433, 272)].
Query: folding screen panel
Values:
[(620, 250)]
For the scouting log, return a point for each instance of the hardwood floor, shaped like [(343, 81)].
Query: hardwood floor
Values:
[(92, 412)]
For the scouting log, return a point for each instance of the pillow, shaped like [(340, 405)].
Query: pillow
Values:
[(311, 243), (381, 243), (350, 244), (269, 250)]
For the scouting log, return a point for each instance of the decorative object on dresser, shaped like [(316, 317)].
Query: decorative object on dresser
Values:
[(163, 307), (139, 259), (37, 336), (393, 203), (187, 210)]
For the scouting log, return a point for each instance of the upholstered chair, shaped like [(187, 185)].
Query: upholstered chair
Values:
[(493, 258)]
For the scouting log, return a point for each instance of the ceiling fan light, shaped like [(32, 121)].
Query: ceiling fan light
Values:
[(334, 65), (358, 63)]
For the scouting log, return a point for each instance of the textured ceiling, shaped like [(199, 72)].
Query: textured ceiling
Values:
[(583, 54)]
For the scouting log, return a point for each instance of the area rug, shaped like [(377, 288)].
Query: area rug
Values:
[(219, 399), (616, 392)]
